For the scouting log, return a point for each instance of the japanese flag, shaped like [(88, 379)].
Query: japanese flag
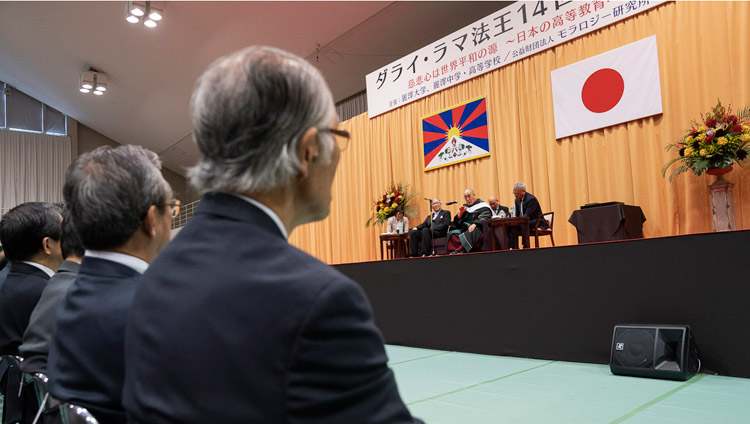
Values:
[(617, 86)]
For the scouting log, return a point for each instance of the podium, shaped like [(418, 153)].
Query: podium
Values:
[(608, 222)]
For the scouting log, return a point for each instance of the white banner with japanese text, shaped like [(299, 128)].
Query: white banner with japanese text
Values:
[(517, 31)]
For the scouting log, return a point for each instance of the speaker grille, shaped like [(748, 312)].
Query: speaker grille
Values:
[(634, 347)]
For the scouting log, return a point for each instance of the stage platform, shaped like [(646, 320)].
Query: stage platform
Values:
[(444, 387), (562, 303)]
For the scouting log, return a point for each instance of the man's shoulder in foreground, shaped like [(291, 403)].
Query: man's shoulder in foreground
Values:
[(36, 339), (85, 362), (300, 332), (20, 294)]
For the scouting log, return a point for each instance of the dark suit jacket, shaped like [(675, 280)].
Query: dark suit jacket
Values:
[(86, 358), (232, 324), (531, 209), (18, 296), (36, 339), (439, 224), (4, 273)]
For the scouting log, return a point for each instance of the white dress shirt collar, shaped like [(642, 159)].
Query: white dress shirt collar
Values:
[(40, 266), (271, 214), (139, 265)]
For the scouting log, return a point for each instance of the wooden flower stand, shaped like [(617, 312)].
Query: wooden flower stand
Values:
[(722, 200)]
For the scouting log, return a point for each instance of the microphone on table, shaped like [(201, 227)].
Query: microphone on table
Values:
[(452, 203)]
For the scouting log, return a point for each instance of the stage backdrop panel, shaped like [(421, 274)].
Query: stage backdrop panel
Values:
[(619, 163)]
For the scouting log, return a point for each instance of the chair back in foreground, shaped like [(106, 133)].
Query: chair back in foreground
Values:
[(73, 414), (10, 389), (550, 218), (31, 403)]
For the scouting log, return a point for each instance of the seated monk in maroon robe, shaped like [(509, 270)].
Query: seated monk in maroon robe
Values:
[(465, 234)]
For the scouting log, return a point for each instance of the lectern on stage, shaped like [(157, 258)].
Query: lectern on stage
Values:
[(608, 221)]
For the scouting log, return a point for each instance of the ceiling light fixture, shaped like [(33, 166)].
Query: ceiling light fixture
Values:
[(136, 9), (143, 12), (155, 14), (93, 80), (86, 81)]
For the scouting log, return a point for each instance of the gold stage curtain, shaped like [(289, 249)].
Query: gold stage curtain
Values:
[(704, 54)]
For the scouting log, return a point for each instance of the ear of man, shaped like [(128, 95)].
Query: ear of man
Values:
[(148, 224), (47, 245), (309, 151)]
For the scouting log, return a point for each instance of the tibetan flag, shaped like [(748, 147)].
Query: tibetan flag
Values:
[(614, 87), (456, 134)]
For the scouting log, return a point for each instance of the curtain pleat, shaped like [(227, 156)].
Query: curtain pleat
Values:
[(32, 167)]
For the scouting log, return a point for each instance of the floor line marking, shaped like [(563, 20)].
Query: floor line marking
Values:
[(417, 359), (480, 383), (654, 401)]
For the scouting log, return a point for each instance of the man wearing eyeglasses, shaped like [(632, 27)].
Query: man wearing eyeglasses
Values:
[(121, 208), (231, 323), (434, 226)]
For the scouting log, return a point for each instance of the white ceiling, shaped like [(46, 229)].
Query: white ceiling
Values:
[(44, 46)]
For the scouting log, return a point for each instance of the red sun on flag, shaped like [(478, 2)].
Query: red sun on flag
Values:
[(602, 90)]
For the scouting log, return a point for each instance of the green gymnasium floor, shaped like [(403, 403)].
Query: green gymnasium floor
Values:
[(463, 388)]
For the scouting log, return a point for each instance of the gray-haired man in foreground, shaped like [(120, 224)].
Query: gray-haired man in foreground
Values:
[(232, 324), (120, 208)]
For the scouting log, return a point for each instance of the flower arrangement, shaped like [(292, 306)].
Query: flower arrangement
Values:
[(720, 140), (384, 207)]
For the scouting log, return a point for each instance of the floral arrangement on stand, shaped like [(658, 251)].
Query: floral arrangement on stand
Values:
[(396, 196), (720, 140)]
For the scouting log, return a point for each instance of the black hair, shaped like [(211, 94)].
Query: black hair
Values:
[(24, 227), (70, 243)]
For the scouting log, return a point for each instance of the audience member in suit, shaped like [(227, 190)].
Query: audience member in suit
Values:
[(231, 323), (526, 205), (497, 208), (120, 207), (36, 339), (398, 224), (467, 233), (30, 234), (435, 225)]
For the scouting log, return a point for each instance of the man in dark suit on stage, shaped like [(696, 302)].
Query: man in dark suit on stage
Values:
[(232, 324), (36, 339), (120, 207), (434, 226), (30, 234), (526, 205)]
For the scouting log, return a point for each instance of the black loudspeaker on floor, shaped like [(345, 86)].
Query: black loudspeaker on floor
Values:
[(655, 351)]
